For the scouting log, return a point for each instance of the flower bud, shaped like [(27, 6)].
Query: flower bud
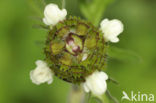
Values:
[(41, 74), (111, 29), (52, 14), (96, 83)]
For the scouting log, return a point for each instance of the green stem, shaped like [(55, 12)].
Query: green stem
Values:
[(76, 95), (63, 4)]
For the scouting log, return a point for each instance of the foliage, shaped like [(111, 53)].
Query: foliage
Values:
[(93, 10)]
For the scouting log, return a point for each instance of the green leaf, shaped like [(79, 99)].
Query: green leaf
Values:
[(112, 98), (93, 10), (97, 100), (37, 6), (123, 54)]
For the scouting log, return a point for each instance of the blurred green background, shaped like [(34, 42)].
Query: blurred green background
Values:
[(133, 66)]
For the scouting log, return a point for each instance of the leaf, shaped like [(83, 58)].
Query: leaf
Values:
[(87, 97), (93, 10), (113, 80), (91, 98), (37, 6), (111, 97), (123, 54), (40, 43), (40, 26), (98, 100)]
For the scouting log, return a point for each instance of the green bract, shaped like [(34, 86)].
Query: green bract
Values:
[(66, 45)]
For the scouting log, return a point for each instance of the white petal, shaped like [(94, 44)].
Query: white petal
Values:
[(86, 89), (41, 74), (102, 75), (115, 40), (52, 14), (45, 21), (96, 83), (84, 56), (111, 29)]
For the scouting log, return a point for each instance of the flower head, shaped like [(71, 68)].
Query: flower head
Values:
[(41, 74), (111, 29), (96, 83), (53, 14), (74, 49)]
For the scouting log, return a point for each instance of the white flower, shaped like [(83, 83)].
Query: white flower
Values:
[(41, 74), (96, 83), (111, 29), (52, 14)]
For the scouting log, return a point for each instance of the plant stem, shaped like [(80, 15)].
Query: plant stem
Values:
[(63, 4), (76, 95)]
